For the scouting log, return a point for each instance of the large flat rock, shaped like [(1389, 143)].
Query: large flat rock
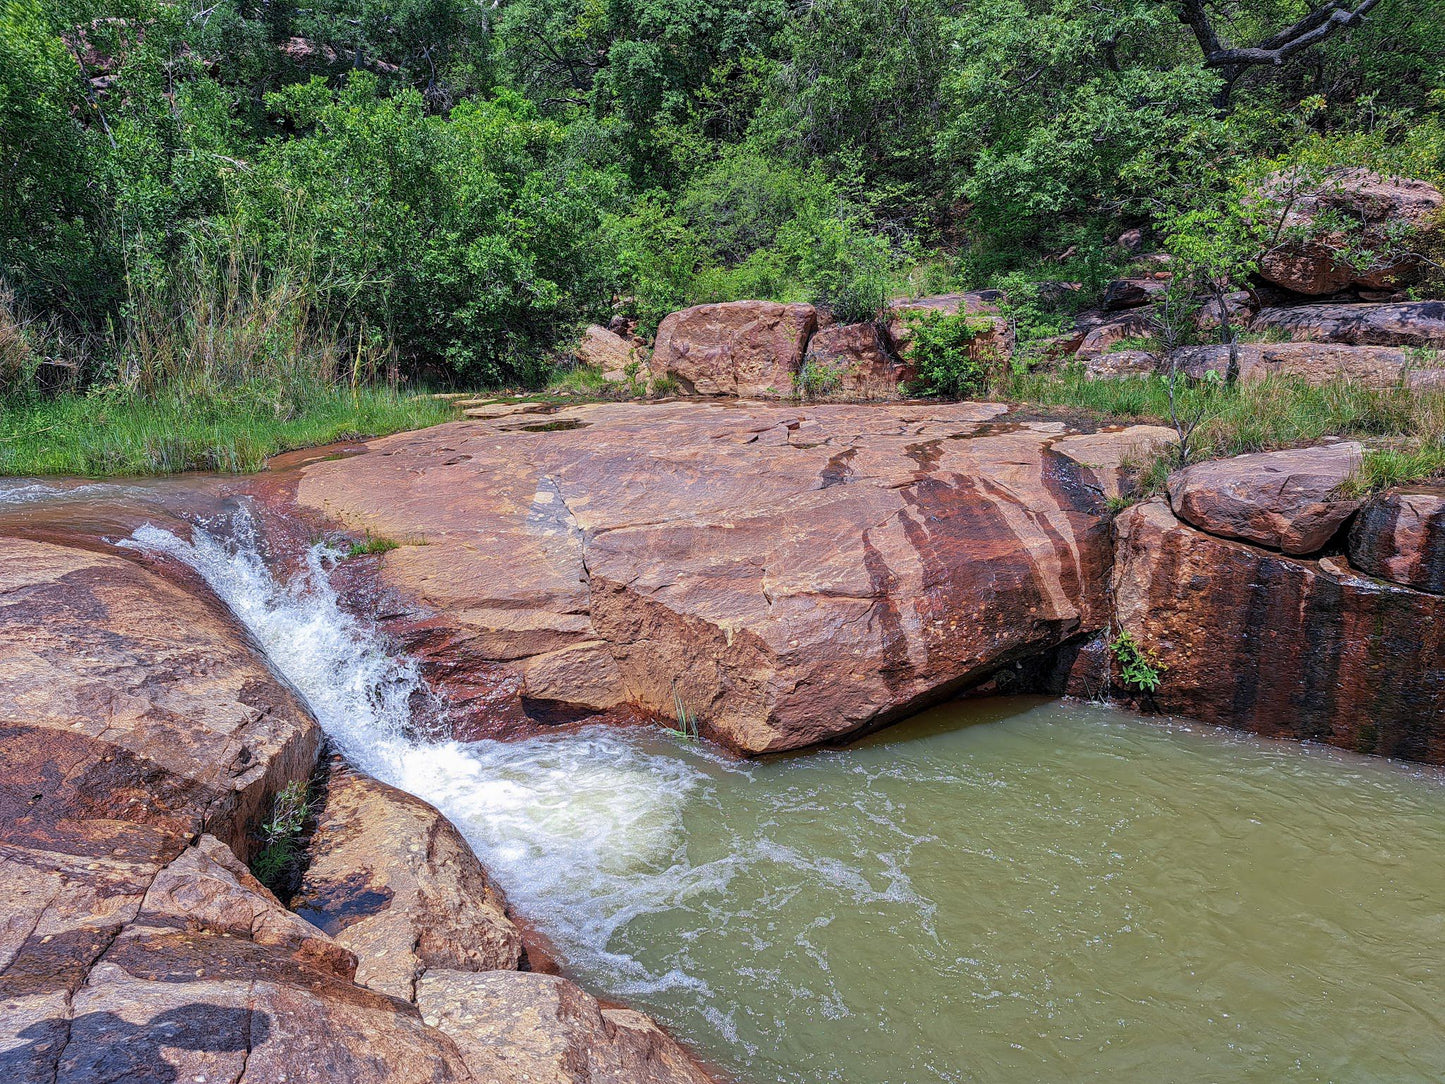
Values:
[(1404, 323), (792, 574), (1282, 646)]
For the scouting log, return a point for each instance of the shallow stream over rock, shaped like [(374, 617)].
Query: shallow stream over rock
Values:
[(1000, 890)]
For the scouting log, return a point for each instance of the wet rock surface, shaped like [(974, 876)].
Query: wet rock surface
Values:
[(1400, 537), (389, 878), (1281, 646), (1287, 500), (792, 574)]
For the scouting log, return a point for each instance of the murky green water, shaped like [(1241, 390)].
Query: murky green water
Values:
[(1003, 891)]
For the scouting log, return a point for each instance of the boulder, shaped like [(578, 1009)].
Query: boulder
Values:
[(852, 362), (1406, 323), (1313, 363), (1114, 456), (391, 879), (148, 690), (1120, 363), (1284, 500), (1132, 293), (995, 340), (796, 573), (1116, 327), (606, 350), (1314, 256), (522, 1028), (1400, 537), (746, 348), (1281, 646)]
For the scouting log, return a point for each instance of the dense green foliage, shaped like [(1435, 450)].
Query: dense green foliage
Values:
[(444, 191)]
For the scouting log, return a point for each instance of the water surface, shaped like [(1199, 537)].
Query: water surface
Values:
[(999, 891)]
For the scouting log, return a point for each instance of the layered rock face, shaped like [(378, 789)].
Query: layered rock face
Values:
[(789, 574), (852, 361), (143, 741), (1401, 537), (1404, 323), (1282, 646)]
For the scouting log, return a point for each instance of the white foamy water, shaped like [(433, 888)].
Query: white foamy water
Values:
[(583, 831)]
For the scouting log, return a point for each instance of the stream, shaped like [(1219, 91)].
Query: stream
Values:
[(999, 890)]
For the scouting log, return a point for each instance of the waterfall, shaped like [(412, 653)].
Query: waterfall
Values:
[(583, 831)]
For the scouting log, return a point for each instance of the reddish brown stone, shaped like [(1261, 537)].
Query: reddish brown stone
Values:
[(1401, 537), (608, 351), (794, 573), (1132, 293), (1313, 259), (1406, 323), (851, 362), (1284, 500), (1281, 646), (746, 348), (390, 879)]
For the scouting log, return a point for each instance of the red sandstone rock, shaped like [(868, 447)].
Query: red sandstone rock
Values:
[(746, 348), (1120, 363), (1406, 323), (1131, 324), (1312, 258), (796, 573), (851, 362), (606, 350), (514, 1027), (1313, 363), (1281, 646), (1284, 500), (390, 879), (1401, 537)]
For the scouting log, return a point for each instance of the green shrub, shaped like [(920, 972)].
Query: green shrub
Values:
[(943, 350), (1139, 667)]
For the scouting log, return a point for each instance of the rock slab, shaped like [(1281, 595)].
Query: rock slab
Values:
[(1281, 646), (793, 573), (1284, 500), (1401, 537)]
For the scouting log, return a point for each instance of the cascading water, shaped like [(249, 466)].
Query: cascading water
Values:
[(1066, 892)]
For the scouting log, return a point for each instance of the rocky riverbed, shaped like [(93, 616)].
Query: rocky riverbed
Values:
[(783, 575)]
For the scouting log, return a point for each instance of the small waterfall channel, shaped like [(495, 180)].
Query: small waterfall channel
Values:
[(997, 891)]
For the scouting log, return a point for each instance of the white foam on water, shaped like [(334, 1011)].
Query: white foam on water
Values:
[(583, 830)]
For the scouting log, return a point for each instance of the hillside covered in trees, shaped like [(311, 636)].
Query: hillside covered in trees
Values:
[(243, 200)]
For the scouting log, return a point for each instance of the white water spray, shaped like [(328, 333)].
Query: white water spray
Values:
[(583, 831)]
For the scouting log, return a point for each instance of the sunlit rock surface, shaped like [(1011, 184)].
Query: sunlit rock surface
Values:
[(786, 574)]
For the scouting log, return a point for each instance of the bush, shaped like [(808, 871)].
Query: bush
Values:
[(943, 351)]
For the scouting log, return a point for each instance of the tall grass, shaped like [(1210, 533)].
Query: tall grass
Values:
[(1405, 428), (214, 365)]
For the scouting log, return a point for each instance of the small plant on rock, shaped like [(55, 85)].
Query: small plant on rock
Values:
[(1139, 667), (281, 836), (944, 352)]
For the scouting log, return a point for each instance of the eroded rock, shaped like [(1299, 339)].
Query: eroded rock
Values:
[(1287, 500), (793, 573), (393, 881), (1281, 646), (1120, 363), (608, 351), (1313, 363), (1404, 323), (1401, 537), (852, 362), (746, 348), (1315, 258), (515, 1027)]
